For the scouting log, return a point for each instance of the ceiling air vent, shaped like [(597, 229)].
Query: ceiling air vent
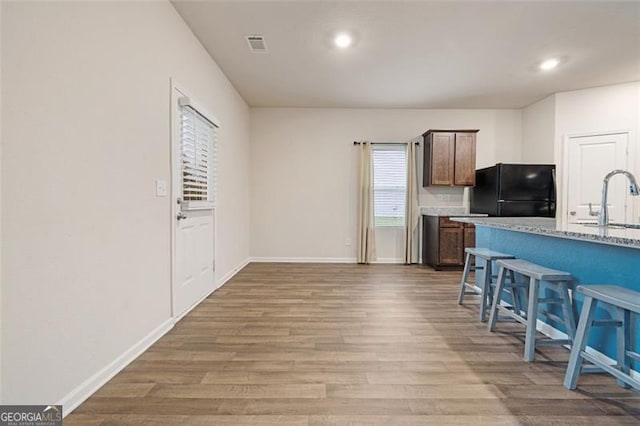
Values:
[(257, 43)]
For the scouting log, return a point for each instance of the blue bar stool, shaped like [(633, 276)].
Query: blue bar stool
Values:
[(487, 280), (622, 302), (557, 281)]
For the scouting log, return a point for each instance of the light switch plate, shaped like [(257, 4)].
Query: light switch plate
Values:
[(161, 188)]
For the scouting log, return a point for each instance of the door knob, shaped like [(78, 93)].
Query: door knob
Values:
[(181, 216)]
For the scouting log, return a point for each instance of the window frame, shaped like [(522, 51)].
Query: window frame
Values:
[(210, 203), (389, 147)]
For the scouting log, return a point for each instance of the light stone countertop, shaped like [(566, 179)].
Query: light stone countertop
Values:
[(448, 211), (625, 237)]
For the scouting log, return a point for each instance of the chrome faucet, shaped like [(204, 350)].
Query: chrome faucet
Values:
[(603, 220)]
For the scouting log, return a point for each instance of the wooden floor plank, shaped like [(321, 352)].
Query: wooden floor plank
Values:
[(322, 344), (404, 391), (284, 390), (265, 377), (413, 420), (168, 420)]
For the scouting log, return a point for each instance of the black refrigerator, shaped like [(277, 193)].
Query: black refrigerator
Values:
[(515, 190)]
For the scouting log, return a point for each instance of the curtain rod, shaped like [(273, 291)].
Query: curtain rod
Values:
[(387, 143)]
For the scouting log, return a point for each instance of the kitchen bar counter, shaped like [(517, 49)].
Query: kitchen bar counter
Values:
[(625, 237)]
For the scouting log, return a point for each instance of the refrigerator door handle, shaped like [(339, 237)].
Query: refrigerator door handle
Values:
[(552, 194)]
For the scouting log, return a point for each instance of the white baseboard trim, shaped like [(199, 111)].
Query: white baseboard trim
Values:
[(73, 399), (222, 281), (196, 303), (383, 260), (219, 284), (554, 333), (388, 260), (303, 259)]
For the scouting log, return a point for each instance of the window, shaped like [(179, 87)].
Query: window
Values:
[(389, 185), (197, 158)]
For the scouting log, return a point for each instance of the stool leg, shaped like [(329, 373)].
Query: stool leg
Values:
[(623, 338), (517, 304), (532, 319), (497, 296), (580, 342), (492, 288), (465, 277), (569, 320), (486, 284), (515, 291)]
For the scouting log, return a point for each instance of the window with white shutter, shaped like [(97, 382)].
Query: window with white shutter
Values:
[(389, 185), (197, 158)]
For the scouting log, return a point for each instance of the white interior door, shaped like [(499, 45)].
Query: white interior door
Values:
[(590, 158), (193, 270), (194, 277)]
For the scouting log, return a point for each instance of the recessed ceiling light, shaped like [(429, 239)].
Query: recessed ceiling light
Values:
[(549, 64), (343, 40)]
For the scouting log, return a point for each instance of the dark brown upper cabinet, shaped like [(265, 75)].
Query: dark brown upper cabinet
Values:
[(449, 157)]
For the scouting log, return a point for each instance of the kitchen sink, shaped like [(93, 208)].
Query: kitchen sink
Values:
[(628, 225), (609, 226), (612, 225)]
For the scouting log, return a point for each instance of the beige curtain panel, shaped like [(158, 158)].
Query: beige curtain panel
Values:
[(366, 229), (412, 211)]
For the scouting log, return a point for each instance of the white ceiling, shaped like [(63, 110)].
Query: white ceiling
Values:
[(418, 54)]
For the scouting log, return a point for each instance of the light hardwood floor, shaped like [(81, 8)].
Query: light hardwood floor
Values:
[(320, 344)]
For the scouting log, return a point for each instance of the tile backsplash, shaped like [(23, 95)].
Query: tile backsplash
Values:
[(444, 196)]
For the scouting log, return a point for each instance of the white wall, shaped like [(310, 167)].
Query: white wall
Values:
[(86, 244), (304, 171), (601, 109), (538, 131)]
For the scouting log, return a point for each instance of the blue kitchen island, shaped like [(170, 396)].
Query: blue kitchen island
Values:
[(593, 255)]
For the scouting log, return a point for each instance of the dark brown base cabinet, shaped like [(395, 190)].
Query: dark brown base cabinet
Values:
[(444, 241)]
